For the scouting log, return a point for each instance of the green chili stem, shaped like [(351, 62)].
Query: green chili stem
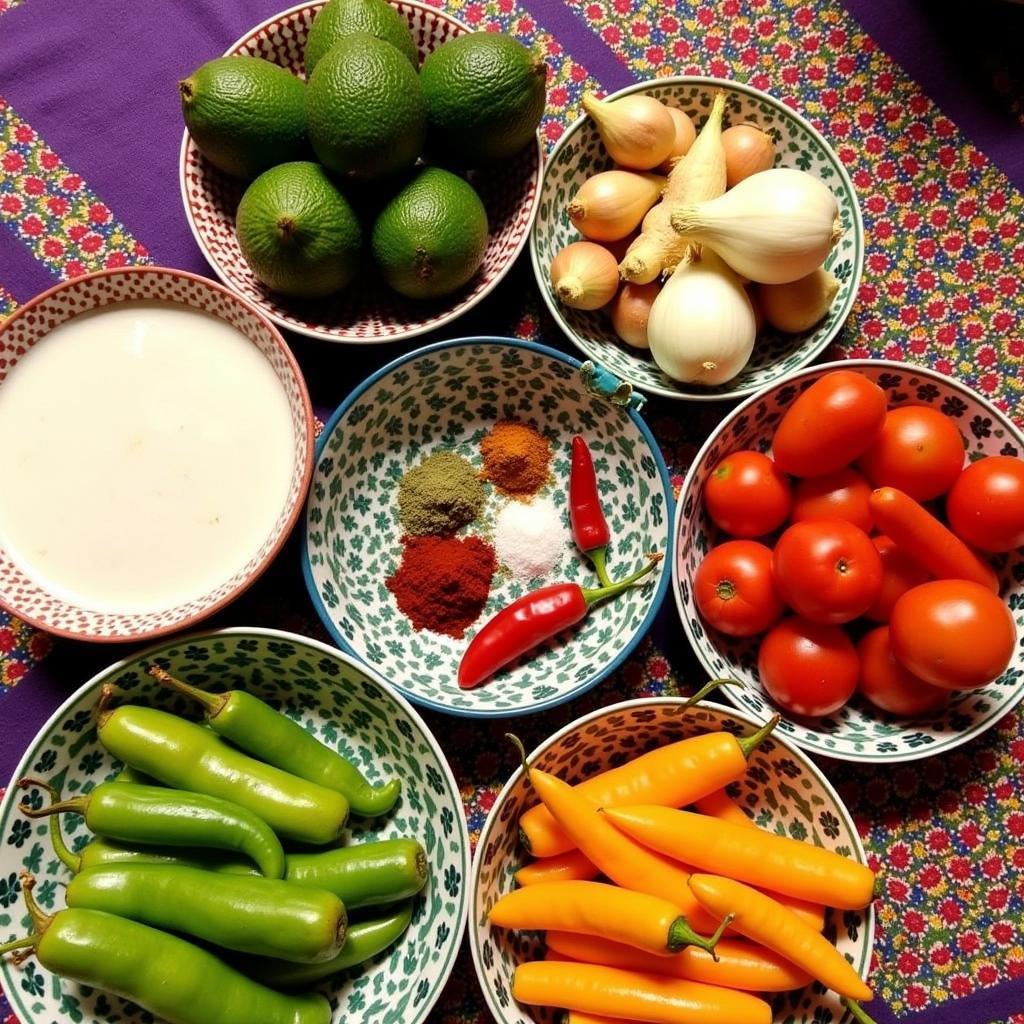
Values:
[(603, 593), (76, 805), (598, 557), (29, 942), (708, 688), (518, 744), (72, 861), (748, 744), (858, 1011), (213, 703), (680, 934), (40, 921)]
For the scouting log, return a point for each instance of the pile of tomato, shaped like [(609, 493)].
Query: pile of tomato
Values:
[(878, 581)]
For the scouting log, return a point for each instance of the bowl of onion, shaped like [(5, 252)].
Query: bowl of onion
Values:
[(697, 237)]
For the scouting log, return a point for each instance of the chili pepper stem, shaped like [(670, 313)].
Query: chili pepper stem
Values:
[(748, 744), (76, 805), (603, 593), (40, 921), (598, 558), (859, 1013), (72, 861), (518, 744), (29, 942), (211, 702), (708, 688), (108, 693), (680, 934)]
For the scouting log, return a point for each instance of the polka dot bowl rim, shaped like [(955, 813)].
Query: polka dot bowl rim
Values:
[(663, 576), (462, 303), (679, 391), (478, 927), (394, 705), (129, 627), (749, 697)]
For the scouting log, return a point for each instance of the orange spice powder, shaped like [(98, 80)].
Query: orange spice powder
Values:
[(517, 459)]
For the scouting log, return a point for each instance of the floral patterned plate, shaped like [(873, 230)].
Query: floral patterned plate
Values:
[(580, 154), (346, 706), (783, 791), (858, 732), (368, 311), (447, 396)]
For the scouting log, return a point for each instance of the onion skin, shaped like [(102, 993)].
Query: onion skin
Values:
[(584, 275), (686, 133), (630, 310), (748, 150), (637, 131), (798, 305), (611, 204)]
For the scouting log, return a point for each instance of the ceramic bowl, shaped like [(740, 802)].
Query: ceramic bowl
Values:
[(345, 705), (30, 323), (447, 396), (580, 154), (368, 311), (859, 731), (783, 791)]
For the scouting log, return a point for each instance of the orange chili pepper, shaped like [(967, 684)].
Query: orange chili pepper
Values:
[(758, 857), (623, 860), (576, 1017), (741, 964), (674, 775), (764, 920), (596, 908), (632, 995), (563, 868)]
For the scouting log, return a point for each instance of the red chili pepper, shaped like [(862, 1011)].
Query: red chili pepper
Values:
[(589, 526), (530, 620)]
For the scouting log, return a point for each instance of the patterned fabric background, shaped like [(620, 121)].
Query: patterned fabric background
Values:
[(941, 287)]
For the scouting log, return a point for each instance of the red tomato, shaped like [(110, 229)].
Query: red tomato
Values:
[(888, 685), (808, 668), (734, 588), (919, 450), (953, 633), (986, 505), (827, 570), (746, 495), (829, 425), (840, 495), (899, 574)]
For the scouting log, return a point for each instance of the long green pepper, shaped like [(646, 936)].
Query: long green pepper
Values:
[(165, 975), (187, 756), (260, 730)]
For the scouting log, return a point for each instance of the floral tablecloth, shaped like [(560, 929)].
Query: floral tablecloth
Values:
[(89, 132)]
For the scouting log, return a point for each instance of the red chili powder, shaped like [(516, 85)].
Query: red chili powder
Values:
[(443, 582)]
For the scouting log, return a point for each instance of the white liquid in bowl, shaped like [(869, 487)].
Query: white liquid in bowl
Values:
[(146, 452)]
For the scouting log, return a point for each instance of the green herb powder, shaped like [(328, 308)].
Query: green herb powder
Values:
[(439, 495)]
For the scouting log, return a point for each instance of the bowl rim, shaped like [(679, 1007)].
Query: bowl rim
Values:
[(663, 576), (818, 369), (856, 274), (628, 705), (455, 940), (318, 333), (307, 459)]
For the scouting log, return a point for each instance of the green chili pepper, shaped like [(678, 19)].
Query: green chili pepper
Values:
[(256, 915), (187, 756), (154, 816), (129, 774), (365, 940), (165, 975), (255, 727)]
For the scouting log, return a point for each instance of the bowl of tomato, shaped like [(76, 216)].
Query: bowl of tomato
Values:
[(849, 552)]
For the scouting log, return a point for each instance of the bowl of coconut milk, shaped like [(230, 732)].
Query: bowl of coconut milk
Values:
[(157, 447)]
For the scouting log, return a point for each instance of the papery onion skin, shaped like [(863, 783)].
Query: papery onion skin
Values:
[(686, 133), (637, 131), (584, 275), (611, 204), (798, 305), (748, 150), (630, 310)]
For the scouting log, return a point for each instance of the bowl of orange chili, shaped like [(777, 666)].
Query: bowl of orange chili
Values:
[(738, 776), (441, 497)]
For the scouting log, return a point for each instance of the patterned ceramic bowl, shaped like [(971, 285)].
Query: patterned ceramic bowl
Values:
[(858, 732), (31, 322), (580, 154), (368, 312), (447, 396), (348, 707), (784, 791)]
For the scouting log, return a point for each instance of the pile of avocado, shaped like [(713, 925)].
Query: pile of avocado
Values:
[(338, 156)]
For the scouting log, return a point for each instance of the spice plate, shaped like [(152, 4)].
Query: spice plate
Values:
[(346, 706), (783, 791), (448, 397), (858, 731)]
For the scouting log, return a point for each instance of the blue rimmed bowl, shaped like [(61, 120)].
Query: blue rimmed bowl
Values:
[(447, 396), (346, 706)]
